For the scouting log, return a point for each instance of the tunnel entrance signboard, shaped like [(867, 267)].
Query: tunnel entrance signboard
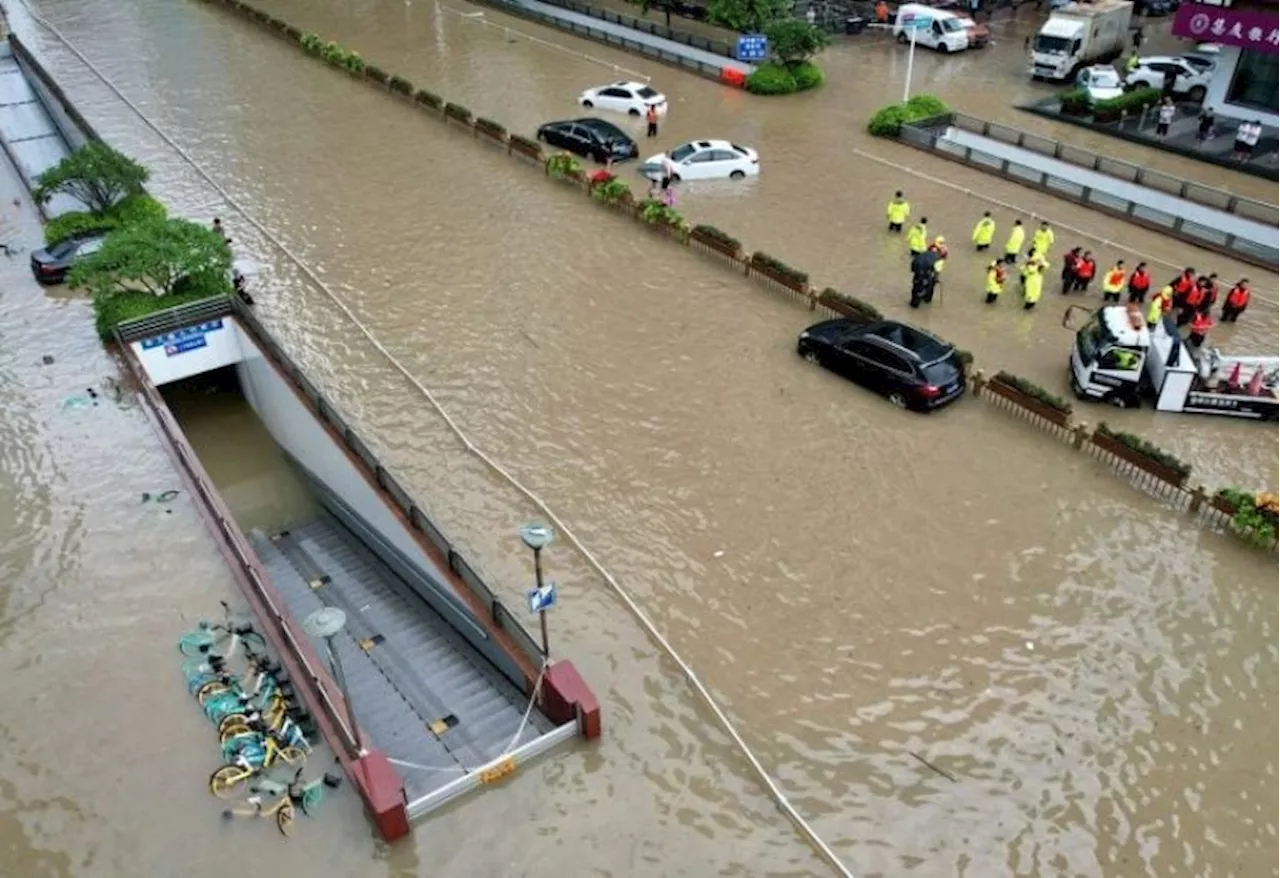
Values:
[(753, 47)]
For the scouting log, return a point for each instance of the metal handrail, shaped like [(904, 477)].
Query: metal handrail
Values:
[(179, 316)]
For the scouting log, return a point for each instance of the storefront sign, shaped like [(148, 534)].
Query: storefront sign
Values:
[(1246, 28)]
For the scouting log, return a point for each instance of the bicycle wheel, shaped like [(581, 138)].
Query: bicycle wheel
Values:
[(312, 796), (293, 755), (230, 732), (233, 720), (226, 781), (284, 818), (196, 643), (210, 689), (254, 643)]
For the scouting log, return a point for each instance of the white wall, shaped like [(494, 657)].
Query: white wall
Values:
[(191, 350), (294, 427), (1215, 96)]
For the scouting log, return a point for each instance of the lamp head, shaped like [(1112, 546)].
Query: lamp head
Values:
[(536, 536)]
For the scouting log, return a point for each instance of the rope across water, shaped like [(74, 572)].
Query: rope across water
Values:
[(775, 792)]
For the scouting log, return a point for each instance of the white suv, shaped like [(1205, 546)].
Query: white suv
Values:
[(1191, 80)]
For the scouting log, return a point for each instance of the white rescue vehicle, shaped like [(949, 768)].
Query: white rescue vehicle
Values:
[(1118, 359)]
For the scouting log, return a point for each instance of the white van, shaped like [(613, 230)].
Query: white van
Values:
[(944, 30)]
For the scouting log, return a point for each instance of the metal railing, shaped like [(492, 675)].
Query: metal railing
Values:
[(1209, 196), (687, 63), (928, 135), (162, 322), (716, 47)]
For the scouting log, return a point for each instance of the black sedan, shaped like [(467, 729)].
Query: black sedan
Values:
[(590, 138), (50, 266), (910, 367)]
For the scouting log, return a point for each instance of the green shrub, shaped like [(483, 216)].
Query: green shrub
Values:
[(562, 165), (771, 79), (808, 76), (1127, 103), (864, 309), (888, 121), (655, 213), (459, 112), (764, 260), (110, 311), (491, 128), (132, 209), (354, 62), (612, 191), (400, 85), (1255, 515), (428, 99), (1146, 449), (1033, 390), (1074, 102), (312, 43), (714, 234)]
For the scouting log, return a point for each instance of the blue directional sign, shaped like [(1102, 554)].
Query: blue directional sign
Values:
[(753, 47), (542, 599), (189, 338)]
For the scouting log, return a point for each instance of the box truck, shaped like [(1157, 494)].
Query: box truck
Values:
[(1078, 35)]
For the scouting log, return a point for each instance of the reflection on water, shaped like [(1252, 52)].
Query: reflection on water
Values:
[(1093, 677)]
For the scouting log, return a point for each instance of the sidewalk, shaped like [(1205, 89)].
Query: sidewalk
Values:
[(1182, 137)]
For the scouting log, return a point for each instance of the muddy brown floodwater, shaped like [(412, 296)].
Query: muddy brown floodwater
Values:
[(1095, 676)]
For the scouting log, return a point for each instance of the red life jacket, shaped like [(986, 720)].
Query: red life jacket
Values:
[(1183, 285), (1139, 281), (1201, 323), (1238, 297), (1085, 269), (1195, 297)]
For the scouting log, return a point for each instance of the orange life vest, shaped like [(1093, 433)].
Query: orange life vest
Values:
[(1085, 269), (1195, 296), (1238, 297), (1139, 281), (1201, 323)]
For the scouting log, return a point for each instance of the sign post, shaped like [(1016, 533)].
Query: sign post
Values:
[(753, 47), (543, 597), (913, 25)]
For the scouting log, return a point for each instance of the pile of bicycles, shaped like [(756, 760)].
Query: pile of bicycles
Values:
[(261, 725)]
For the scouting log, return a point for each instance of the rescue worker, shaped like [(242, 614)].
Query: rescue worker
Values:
[(1182, 285), (995, 280), (1042, 240), (923, 277), (1124, 360), (984, 232), (1237, 301), (1139, 283), (1192, 303), (1013, 246), (1069, 264), (918, 237), (1086, 268), (898, 211), (939, 246), (1032, 284), (1161, 304), (1113, 282), (1200, 326), (1210, 284), (1131, 63)]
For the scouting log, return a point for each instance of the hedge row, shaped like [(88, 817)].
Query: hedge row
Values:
[(771, 78), (888, 121), (1257, 516), (1075, 102), (1033, 390), (1146, 449), (130, 210)]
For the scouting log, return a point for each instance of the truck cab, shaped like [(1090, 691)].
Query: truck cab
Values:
[(1058, 49), (1109, 358)]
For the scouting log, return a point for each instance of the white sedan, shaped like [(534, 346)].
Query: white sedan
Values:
[(1100, 83), (704, 160), (632, 98)]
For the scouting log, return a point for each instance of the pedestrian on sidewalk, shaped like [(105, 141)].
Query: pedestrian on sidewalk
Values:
[(651, 116), (1247, 136), (1165, 118), (1205, 130)]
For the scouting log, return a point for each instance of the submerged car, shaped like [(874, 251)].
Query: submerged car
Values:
[(52, 264), (593, 139), (705, 160), (632, 98), (911, 368), (1100, 83)]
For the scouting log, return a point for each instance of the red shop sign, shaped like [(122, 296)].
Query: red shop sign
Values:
[(1246, 28)]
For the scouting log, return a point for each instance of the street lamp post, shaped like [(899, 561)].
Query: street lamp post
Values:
[(911, 60), (325, 623), (538, 537)]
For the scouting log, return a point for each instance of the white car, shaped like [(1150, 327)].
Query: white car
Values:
[(704, 160), (632, 98), (1100, 83), (1191, 80)]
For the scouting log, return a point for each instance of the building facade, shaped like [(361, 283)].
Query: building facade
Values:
[(1245, 80)]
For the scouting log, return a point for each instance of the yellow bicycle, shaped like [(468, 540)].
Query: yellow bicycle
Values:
[(282, 810), (254, 758)]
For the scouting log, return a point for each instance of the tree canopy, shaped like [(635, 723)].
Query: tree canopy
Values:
[(793, 41), (747, 16), (158, 256), (95, 174)]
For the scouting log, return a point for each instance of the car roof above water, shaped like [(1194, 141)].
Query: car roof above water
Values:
[(600, 126), (922, 345)]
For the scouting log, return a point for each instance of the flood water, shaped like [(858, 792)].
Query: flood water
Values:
[(1094, 677)]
